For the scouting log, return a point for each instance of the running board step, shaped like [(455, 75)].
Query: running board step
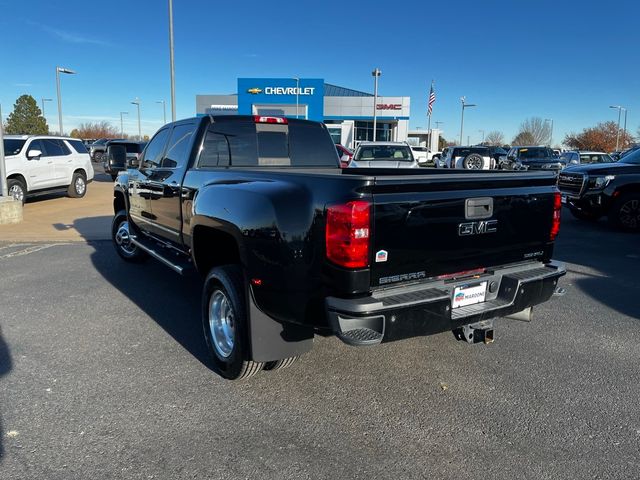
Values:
[(361, 337), (174, 261)]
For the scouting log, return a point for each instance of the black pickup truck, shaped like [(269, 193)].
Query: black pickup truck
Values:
[(291, 245), (591, 191)]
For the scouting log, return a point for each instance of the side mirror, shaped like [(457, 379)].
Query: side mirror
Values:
[(133, 163), (31, 154)]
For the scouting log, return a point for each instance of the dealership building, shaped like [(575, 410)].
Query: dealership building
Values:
[(347, 113)]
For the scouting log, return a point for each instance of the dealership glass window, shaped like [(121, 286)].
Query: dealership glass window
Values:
[(364, 131), (336, 134)]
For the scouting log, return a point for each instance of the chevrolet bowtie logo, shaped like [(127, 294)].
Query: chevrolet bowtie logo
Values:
[(255, 91)]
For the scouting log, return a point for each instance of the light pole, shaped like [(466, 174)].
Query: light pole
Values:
[(60, 70), (618, 130), (550, 120), (122, 123), (42, 100), (171, 65), (136, 102), (464, 105), (438, 124), (482, 131), (376, 73), (624, 130), (3, 168), (297, 93), (164, 111)]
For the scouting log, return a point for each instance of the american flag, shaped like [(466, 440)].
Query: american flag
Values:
[(432, 99)]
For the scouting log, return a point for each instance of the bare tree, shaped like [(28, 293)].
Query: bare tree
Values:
[(494, 138), (524, 138), (533, 131), (101, 129)]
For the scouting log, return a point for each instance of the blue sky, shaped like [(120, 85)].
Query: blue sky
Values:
[(566, 60)]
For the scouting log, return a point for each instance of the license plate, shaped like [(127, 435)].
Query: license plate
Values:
[(563, 199), (469, 294)]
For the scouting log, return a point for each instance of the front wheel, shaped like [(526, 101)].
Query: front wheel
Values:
[(121, 237), (16, 189), (473, 162), (226, 324), (625, 212)]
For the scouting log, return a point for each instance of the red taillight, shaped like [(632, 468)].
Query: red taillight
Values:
[(261, 119), (555, 223), (347, 234)]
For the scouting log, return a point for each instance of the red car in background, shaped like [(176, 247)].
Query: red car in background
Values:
[(345, 155)]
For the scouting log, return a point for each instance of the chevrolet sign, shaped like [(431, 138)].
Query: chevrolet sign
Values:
[(289, 90)]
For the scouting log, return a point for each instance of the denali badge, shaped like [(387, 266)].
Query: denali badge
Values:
[(477, 228)]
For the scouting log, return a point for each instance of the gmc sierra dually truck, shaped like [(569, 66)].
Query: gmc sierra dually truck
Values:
[(291, 246)]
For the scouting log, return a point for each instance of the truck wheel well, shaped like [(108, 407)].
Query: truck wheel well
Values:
[(19, 177), (118, 202), (80, 170), (631, 188), (212, 248)]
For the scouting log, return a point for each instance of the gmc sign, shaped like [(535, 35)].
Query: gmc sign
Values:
[(389, 106)]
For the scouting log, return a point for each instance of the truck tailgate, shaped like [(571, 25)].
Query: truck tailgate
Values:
[(430, 226)]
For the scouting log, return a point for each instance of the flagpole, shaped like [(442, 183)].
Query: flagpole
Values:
[(429, 119)]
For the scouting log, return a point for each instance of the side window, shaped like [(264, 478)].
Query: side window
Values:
[(55, 147), (37, 145), (215, 151), (78, 146), (152, 155), (177, 155)]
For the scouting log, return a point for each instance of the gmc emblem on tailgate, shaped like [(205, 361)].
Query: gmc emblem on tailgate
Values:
[(477, 228)]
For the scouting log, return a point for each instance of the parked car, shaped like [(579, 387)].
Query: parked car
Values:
[(120, 154), (291, 246), (591, 191), (39, 164), (344, 154), (536, 158), (383, 155), (578, 157), (98, 148), (471, 158), (421, 154)]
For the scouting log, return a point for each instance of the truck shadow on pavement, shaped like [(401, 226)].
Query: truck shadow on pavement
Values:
[(172, 301), (606, 260), (5, 367)]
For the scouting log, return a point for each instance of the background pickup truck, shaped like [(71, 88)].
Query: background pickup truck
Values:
[(291, 245)]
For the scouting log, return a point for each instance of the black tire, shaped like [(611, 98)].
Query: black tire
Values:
[(17, 189), (78, 187), (473, 161), (625, 212), (279, 364), (585, 215), (114, 176), (120, 239), (98, 156), (224, 290)]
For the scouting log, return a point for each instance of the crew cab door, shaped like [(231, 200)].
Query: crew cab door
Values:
[(165, 182), (139, 182)]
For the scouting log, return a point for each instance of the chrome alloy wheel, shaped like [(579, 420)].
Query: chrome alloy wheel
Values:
[(221, 323), (474, 164), (80, 185), (17, 193), (123, 239)]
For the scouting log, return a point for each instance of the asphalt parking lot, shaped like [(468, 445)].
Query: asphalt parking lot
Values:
[(103, 375)]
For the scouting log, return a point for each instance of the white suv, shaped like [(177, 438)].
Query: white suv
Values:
[(42, 163)]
